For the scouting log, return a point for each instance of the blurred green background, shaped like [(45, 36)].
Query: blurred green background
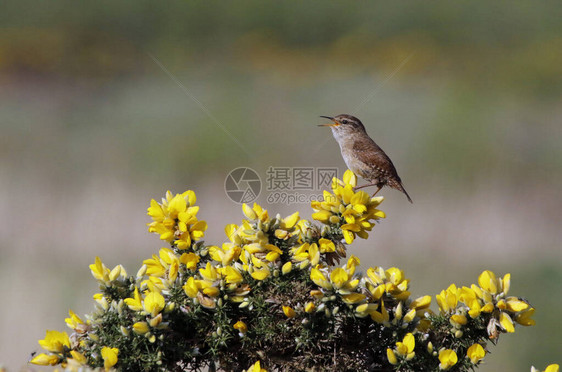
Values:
[(93, 128)]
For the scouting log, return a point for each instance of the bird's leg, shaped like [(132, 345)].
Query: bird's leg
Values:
[(379, 189), (360, 187)]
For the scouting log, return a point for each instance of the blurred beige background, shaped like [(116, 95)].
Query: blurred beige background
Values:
[(465, 97)]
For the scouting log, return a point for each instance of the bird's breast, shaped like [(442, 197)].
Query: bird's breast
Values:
[(353, 162)]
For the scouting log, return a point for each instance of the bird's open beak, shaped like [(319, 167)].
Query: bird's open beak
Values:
[(335, 123)]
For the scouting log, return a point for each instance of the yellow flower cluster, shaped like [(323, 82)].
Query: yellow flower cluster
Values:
[(250, 243), (175, 219), (355, 213), (404, 350), (212, 285), (448, 357), (340, 280), (489, 297), (58, 344), (381, 294), (390, 287), (149, 309), (106, 276), (248, 252)]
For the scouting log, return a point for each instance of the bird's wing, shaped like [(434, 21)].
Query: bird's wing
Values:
[(369, 153)]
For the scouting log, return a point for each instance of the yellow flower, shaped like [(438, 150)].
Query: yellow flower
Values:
[(140, 327), (287, 267), (209, 288), (406, 347), (289, 222), (506, 322), (261, 273), (365, 309), (55, 342), (255, 213), (448, 358), (101, 300), (79, 358), (339, 277), (306, 254), (155, 321), (392, 281), (177, 205), (45, 359), (469, 297), (109, 356), (352, 264), (356, 209), (309, 307), (326, 245), (134, 303), (353, 298), (349, 178), (100, 271), (448, 299), (204, 290), (525, 317), (75, 322), (550, 368), (190, 260), (488, 282), (173, 271), (392, 359), (225, 255), (154, 303), (118, 271), (475, 353), (382, 316), (209, 273), (421, 303), (191, 287), (404, 350), (159, 265), (515, 305), (410, 315), (164, 229), (249, 212), (193, 232), (340, 280), (322, 215), (231, 275), (256, 367), (288, 311), (240, 326)]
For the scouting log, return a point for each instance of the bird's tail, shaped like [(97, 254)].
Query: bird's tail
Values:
[(408, 196), (398, 186)]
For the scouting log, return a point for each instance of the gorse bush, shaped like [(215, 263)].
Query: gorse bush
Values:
[(279, 295)]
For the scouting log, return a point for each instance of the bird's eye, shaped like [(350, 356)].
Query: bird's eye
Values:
[(344, 121)]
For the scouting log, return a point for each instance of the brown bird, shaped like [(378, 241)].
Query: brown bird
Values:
[(362, 155)]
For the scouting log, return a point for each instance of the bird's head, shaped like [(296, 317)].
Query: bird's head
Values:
[(344, 126)]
